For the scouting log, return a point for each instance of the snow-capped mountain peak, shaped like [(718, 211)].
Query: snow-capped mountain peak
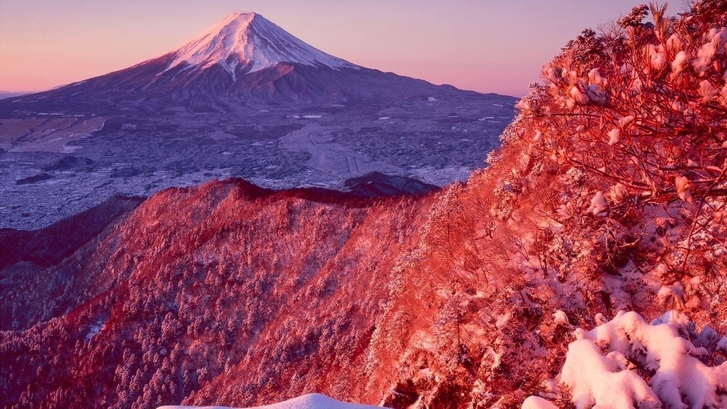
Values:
[(250, 40)]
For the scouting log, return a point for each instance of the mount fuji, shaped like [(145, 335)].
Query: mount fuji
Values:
[(243, 57), (254, 43), (243, 99)]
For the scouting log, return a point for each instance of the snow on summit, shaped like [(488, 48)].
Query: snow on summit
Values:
[(249, 39)]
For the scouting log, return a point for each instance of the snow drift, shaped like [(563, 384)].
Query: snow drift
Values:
[(604, 367), (309, 401)]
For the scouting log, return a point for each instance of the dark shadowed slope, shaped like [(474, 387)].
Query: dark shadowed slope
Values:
[(50, 245), (376, 184)]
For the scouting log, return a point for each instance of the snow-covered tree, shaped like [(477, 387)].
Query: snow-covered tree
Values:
[(642, 110)]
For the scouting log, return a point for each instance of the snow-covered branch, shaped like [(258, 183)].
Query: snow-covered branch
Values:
[(629, 363)]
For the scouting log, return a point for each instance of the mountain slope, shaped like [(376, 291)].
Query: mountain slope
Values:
[(49, 246), (243, 57), (302, 279)]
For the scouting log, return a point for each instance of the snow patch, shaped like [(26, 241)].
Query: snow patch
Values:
[(614, 135), (593, 379), (680, 379), (560, 318), (598, 204), (534, 402), (95, 329), (309, 401)]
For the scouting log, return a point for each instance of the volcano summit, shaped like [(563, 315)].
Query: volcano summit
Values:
[(245, 56), (244, 99), (253, 43)]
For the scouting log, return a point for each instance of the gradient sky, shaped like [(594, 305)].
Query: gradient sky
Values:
[(484, 45)]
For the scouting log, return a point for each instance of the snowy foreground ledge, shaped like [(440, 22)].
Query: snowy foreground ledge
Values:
[(607, 366), (310, 401)]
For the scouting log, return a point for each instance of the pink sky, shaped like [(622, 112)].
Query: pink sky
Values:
[(484, 45)]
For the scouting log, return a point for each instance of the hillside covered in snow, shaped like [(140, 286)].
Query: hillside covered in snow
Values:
[(585, 267)]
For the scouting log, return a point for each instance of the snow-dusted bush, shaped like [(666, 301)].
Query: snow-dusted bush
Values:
[(641, 110), (629, 363)]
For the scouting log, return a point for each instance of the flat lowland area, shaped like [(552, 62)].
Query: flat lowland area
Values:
[(56, 164)]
